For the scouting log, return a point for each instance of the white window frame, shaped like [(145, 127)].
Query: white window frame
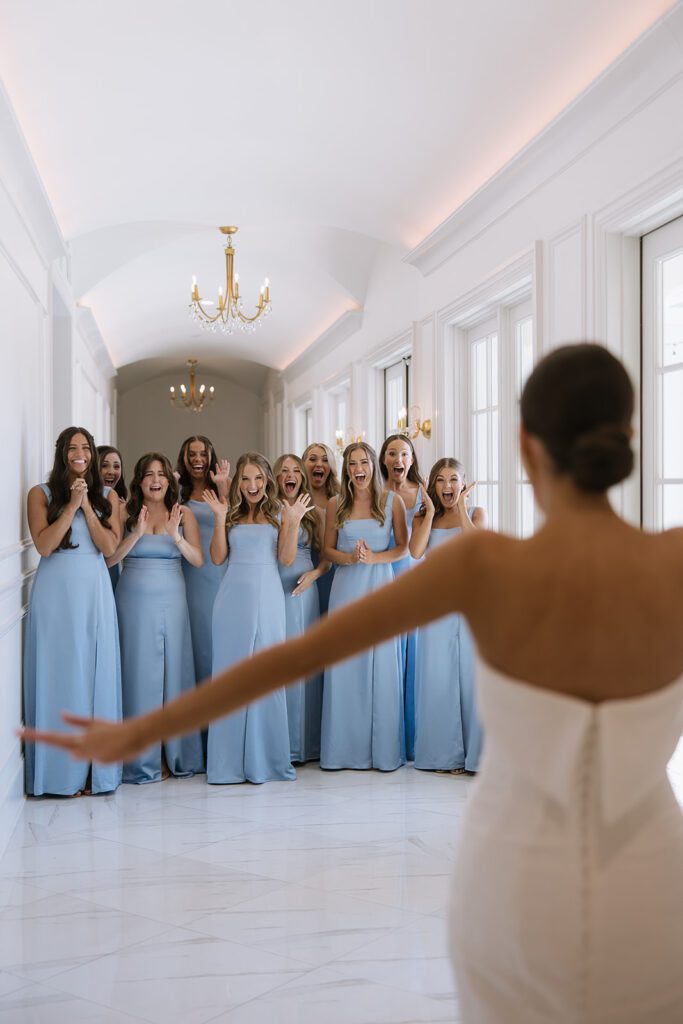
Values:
[(400, 371), (656, 247)]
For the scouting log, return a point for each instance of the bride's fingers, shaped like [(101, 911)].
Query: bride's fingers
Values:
[(64, 740), (83, 720)]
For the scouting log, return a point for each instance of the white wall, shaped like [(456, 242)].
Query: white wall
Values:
[(146, 420), (561, 220), (53, 374)]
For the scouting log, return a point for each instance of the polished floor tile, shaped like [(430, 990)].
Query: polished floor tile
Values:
[(324, 900)]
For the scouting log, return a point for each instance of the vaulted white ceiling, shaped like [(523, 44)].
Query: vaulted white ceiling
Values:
[(325, 130)]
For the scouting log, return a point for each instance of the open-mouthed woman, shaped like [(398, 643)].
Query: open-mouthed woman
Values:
[(447, 730), (302, 607), (156, 645), (198, 470), (399, 466), (254, 532), (112, 475), (320, 463)]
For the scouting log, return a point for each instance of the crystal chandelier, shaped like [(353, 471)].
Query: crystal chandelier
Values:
[(229, 312), (192, 399)]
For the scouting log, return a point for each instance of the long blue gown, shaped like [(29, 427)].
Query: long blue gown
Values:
[(305, 698), (156, 650), (362, 724), (71, 660), (324, 584), (202, 586), (408, 644), (251, 745), (447, 730)]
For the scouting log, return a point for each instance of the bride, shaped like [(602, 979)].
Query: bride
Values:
[(568, 896)]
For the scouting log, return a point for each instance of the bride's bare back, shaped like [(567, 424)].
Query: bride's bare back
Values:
[(589, 606)]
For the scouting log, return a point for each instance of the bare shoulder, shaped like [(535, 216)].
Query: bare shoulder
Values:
[(331, 506), (188, 515), (37, 496)]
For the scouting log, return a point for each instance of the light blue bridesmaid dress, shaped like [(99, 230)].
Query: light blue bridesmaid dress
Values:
[(71, 660), (362, 723), (251, 745), (408, 643), (305, 698), (156, 650), (447, 730), (324, 584), (202, 586)]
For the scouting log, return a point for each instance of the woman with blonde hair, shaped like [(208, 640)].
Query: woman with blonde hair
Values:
[(302, 607), (447, 730), (363, 724), (254, 532), (320, 463)]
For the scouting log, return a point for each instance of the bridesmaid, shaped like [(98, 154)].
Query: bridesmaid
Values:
[(362, 724), (319, 461), (71, 656), (447, 730), (198, 470), (156, 646), (302, 607), (111, 473), (398, 462), (249, 613)]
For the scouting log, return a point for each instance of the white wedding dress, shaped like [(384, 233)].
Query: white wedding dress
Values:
[(568, 897)]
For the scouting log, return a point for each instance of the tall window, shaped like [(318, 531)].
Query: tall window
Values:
[(308, 426), (663, 376), (396, 393), (524, 364), (484, 421)]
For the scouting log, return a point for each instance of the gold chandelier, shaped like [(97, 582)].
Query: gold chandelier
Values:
[(193, 399), (229, 312)]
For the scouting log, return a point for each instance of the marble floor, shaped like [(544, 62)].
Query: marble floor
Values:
[(182, 903)]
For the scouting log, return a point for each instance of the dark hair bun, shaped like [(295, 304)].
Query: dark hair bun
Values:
[(600, 458)]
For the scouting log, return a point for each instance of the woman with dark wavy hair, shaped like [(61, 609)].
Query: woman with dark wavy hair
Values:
[(110, 462), (320, 463), (568, 889), (363, 723), (401, 472), (254, 532), (156, 644), (72, 642), (198, 469)]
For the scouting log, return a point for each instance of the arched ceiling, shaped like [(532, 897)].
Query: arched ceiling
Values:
[(325, 130)]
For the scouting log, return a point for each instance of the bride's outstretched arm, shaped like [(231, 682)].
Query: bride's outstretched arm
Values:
[(435, 588)]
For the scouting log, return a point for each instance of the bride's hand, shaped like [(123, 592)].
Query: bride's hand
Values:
[(99, 740)]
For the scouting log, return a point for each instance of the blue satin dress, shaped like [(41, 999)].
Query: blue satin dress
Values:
[(324, 584), (408, 643), (305, 698), (251, 745), (447, 730), (362, 723), (156, 650), (201, 586), (71, 661)]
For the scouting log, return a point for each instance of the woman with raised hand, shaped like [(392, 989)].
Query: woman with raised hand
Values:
[(302, 607), (401, 472), (319, 460), (447, 730), (71, 655), (156, 646), (362, 724), (110, 462), (254, 532), (199, 470), (568, 895)]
